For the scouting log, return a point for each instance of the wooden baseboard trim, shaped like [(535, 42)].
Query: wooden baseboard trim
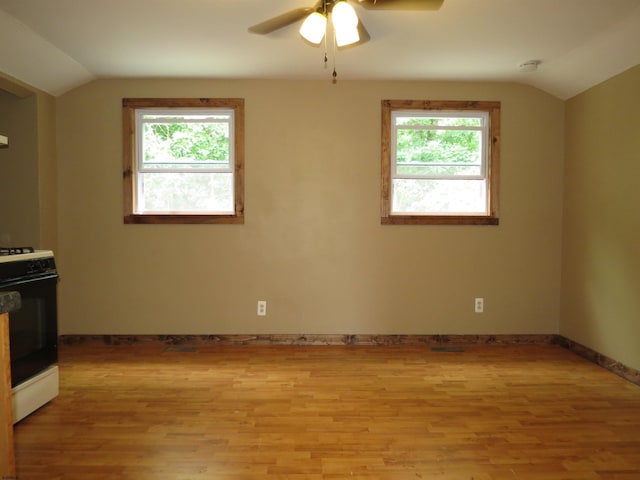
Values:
[(605, 362), (614, 366), (314, 339)]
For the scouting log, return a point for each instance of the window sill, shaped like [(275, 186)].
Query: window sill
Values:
[(439, 220), (177, 219)]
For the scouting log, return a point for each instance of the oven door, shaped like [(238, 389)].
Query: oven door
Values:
[(33, 329)]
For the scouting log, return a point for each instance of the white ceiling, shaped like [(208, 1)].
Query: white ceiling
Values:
[(56, 45)]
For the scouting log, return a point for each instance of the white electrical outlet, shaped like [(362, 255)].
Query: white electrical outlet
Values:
[(479, 305), (262, 308)]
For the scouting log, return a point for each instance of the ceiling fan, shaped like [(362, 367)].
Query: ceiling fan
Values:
[(324, 7)]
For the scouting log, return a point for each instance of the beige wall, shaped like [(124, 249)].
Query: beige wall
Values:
[(28, 179), (47, 172), (19, 192), (312, 244), (601, 250)]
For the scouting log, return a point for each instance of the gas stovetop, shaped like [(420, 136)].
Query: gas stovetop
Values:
[(15, 250), (17, 254)]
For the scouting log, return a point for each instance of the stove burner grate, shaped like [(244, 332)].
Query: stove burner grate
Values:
[(15, 250)]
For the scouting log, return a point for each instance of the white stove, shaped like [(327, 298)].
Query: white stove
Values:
[(33, 328)]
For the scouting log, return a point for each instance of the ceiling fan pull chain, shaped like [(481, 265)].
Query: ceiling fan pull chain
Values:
[(335, 54), (325, 50)]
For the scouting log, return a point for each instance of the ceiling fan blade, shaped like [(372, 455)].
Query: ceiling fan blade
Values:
[(401, 4), (280, 21)]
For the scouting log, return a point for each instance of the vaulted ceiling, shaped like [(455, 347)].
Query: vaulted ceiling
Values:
[(58, 45)]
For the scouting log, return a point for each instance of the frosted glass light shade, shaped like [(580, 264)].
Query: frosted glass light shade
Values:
[(347, 37), (345, 24), (314, 27)]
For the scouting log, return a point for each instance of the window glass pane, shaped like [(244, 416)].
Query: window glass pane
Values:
[(439, 121), (439, 152), (187, 192), (439, 196), (190, 145), (430, 170)]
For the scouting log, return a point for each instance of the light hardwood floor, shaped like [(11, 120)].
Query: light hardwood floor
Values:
[(328, 412)]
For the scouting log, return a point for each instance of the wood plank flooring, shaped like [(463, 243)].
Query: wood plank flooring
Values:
[(332, 412)]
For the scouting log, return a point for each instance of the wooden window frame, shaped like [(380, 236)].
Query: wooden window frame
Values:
[(493, 163), (129, 174)]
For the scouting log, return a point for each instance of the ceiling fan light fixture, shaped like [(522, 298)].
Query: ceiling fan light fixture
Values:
[(347, 37), (345, 24), (314, 27)]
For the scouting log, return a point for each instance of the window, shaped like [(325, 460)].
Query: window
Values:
[(440, 162), (183, 160)]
